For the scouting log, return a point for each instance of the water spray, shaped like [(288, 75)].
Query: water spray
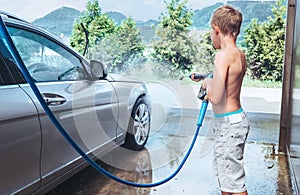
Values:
[(68, 138)]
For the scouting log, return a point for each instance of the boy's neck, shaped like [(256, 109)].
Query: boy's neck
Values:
[(227, 41)]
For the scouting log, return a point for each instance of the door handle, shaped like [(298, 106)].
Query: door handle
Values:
[(53, 99)]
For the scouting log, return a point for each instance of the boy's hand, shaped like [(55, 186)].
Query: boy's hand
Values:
[(204, 84), (193, 77)]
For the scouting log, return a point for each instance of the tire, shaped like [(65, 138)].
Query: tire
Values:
[(139, 126)]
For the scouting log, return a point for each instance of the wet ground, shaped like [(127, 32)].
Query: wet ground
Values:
[(173, 126), (266, 171)]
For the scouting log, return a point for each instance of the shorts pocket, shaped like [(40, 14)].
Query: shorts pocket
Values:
[(238, 138)]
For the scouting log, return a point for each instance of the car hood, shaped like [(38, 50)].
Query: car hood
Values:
[(122, 78)]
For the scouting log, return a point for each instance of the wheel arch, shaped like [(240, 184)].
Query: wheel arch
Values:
[(139, 92)]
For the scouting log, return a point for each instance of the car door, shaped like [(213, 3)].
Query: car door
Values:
[(85, 108), (20, 133)]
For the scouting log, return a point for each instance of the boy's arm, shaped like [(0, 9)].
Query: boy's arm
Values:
[(216, 86)]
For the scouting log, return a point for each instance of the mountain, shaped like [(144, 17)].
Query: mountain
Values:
[(117, 17), (250, 9), (150, 22), (202, 17), (61, 21), (254, 9), (67, 16)]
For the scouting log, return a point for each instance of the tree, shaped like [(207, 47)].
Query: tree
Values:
[(204, 59), (122, 49), (265, 45), (172, 46), (98, 25)]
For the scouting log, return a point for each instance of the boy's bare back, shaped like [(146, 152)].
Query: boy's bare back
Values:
[(230, 68)]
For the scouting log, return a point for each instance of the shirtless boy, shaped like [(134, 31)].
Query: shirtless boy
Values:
[(231, 126)]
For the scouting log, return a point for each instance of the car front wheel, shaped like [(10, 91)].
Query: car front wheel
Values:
[(139, 126)]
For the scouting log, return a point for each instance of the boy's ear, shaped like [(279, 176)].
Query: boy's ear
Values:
[(216, 29)]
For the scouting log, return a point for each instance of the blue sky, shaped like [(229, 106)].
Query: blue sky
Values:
[(137, 9)]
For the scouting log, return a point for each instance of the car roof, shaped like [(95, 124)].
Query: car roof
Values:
[(12, 16), (9, 18)]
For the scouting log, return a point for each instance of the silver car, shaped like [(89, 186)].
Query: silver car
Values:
[(98, 110)]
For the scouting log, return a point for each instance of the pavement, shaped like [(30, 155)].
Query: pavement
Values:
[(177, 95), (262, 100), (174, 108), (267, 171)]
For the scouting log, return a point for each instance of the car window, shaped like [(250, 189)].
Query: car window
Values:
[(44, 59), (9, 71)]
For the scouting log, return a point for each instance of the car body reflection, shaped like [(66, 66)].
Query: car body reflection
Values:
[(134, 166)]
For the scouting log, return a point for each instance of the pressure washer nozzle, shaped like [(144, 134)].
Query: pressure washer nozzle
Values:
[(196, 76), (199, 76)]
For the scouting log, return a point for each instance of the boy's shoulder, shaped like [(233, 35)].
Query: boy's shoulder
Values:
[(225, 55), (230, 53), (225, 58)]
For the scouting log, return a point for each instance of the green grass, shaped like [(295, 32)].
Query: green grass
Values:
[(146, 74), (249, 82)]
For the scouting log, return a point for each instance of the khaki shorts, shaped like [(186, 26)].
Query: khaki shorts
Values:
[(230, 133)]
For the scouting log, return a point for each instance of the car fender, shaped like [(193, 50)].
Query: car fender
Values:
[(128, 93)]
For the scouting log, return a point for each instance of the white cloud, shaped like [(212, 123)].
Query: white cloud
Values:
[(151, 2), (32, 9), (137, 9)]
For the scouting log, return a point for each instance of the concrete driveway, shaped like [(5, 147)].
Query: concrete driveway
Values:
[(174, 114)]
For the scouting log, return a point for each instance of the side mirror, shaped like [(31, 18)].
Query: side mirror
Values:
[(99, 71)]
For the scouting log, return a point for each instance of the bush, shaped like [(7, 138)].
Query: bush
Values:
[(265, 45), (122, 49)]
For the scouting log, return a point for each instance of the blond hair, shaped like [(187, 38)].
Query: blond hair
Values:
[(228, 19)]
